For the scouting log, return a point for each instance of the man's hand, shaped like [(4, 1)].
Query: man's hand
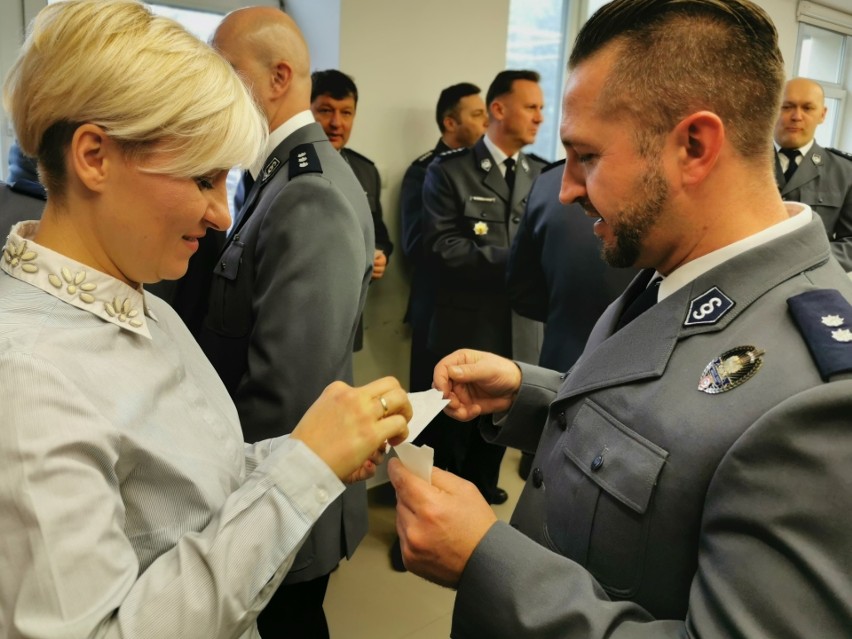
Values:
[(380, 262), (476, 383), (439, 525), (346, 426)]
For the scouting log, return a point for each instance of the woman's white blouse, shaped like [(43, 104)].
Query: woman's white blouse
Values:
[(129, 504)]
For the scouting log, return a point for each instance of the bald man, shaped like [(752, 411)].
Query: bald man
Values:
[(806, 172), (288, 289)]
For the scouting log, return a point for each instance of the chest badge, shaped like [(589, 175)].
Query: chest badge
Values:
[(480, 228), (708, 308), (730, 369)]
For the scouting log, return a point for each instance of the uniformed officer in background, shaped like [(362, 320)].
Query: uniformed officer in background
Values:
[(474, 199), (692, 472), (806, 172)]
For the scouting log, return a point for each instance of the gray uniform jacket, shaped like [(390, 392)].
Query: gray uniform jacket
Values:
[(657, 510), (287, 292), (823, 181), (469, 224)]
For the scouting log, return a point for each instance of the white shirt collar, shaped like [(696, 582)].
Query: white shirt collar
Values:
[(498, 155), (276, 137), (74, 283), (802, 149), (800, 215)]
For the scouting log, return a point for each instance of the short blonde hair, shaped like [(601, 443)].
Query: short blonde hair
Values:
[(142, 78)]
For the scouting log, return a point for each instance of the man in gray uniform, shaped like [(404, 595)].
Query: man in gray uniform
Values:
[(288, 289), (692, 475), (806, 172), (474, 199), (334, 101)]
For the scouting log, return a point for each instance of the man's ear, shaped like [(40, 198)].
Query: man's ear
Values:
[(91, 156), (699, 138), (496, 110), (282, 74)]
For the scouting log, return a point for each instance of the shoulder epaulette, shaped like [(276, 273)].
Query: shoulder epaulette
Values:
[(842, 154), (537, 158), (453, 153), (304, 159), (553, 165), (357, 155), (824, 318), (426, 158)]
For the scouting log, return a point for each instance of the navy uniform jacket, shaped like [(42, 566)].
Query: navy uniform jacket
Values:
[(823, 181), (556, 274), (654, 509), (424, 276), (368, 176), (470, 221), (19, 201), (286, 296)]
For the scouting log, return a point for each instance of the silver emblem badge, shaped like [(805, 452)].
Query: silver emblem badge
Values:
[(817, 158), (730, 369), (485, 164), (525, 165)]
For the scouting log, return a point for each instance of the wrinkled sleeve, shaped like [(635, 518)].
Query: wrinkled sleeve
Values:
[(69, 570)]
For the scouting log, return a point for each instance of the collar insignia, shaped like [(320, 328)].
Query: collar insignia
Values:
[(708, 308), (525, 165), (730, 369), (817, 158), (485, 164)]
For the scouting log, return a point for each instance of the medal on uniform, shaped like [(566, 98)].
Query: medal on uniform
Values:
[(730, 369)]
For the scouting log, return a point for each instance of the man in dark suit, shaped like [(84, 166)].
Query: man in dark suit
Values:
[(462, 119), (288, 289), (23, 197), (334, 101), (556, 275), (474, 199), (808, 173), (692, 472)]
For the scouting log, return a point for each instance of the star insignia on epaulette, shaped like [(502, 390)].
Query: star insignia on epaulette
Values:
[(842, 335), (832, 320)]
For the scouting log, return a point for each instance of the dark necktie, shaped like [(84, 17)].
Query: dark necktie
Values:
[(792, 155), (641, 303), (510, 173)]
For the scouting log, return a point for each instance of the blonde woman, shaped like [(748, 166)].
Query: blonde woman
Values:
[(129, 505)]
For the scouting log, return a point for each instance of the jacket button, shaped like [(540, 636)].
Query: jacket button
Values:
[(482, 215), (516, 219), (561, 420), (224, 264), (597, 462), (537, 477)]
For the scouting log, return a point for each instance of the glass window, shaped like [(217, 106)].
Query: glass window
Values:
[(536, 41), (821, 54)]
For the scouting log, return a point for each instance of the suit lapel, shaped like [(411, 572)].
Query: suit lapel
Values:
[(523, 181), (808, 170)]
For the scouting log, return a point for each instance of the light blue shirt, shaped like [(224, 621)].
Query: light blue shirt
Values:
[(129, 504)]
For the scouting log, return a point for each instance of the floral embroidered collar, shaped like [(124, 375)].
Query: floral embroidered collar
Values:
[(74, 283)]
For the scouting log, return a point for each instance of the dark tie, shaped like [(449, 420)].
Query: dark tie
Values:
[(510, 173), (641, 303), (792, 155)]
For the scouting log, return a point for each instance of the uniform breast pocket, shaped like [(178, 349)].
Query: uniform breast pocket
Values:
[(600, 515), (230, 294), (486, 221)]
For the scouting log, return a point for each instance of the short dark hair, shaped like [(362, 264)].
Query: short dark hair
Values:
[(676, 57), (334, 83), (448, 101), (502, 83)]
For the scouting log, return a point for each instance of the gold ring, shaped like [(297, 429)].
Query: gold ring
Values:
[(384, 404)]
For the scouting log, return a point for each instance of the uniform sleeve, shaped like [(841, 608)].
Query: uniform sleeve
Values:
[(525, 279), (310, 268), (69, 570), (447, 235), (411, 212), (775, 555)]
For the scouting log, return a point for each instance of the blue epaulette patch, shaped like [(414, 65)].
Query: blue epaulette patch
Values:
[(453, 153), (824, 318), (426, 156), (304, 159)]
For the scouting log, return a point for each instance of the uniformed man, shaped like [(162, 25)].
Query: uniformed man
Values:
[(806, 172), (334, 101), (474, 199), (289, 288), (692, 471)]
